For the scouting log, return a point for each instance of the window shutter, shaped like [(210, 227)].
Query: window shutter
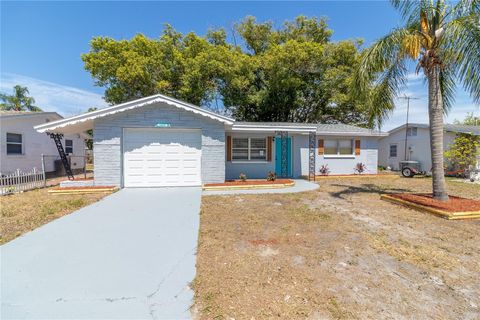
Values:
[(229, 148), (320, 146), (269, 149), (357, 147)]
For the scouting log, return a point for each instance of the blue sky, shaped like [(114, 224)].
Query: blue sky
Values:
[(41, 42)]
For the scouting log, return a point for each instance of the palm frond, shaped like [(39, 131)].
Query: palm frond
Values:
[(388, 85), (462, 51), (382, 64), (447, 87), (407, 8)]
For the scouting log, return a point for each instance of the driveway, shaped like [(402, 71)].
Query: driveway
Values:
[(131, 255)]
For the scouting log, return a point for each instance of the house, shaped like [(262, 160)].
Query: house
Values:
[(161, 141), (22, 146), (392, 148)]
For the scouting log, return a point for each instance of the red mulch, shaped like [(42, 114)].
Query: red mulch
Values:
[(82, 179), (83, 188), (454, 204), (248, 183), (351, 175)]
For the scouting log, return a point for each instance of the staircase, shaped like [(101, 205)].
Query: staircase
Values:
[(57, 137)]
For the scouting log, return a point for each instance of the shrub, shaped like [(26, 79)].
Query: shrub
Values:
[(271, 176), (243, 177), (324, 170), (360, 168)]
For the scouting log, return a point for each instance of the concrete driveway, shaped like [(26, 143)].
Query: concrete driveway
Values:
[(129, 256)]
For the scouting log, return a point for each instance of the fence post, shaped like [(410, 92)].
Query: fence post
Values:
[(17, 179), (43, 171)]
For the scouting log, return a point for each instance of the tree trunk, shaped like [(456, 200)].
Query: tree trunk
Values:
[(435, 112)]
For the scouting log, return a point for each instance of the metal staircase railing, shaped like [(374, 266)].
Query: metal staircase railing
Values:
[(311, 156), (57, 137)]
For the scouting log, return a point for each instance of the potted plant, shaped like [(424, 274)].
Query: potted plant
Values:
[(324, 170)]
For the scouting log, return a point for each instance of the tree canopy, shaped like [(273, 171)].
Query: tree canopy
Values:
[(290, 73), (18, 101)]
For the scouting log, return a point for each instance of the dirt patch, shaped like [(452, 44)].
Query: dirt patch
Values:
[(454, 204), (249, 183), (23, 212), (339, 253)]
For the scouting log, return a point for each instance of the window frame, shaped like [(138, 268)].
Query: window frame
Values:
[(249, 149), (66, 147), (338, 154), (390, 150), (412, 130), (22, 144)]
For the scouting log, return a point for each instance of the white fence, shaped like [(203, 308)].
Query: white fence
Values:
[(22, 181)]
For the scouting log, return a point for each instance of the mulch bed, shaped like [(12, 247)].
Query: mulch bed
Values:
[(248, 183), (454, 204)]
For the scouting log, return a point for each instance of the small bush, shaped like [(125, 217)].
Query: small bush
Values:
[(324, 170), (360, 168), (271, 176), (243, 177)]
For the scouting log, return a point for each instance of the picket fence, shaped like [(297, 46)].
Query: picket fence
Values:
[(22, 181)]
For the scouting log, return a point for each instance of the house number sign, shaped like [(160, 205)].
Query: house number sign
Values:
[(162, 125)]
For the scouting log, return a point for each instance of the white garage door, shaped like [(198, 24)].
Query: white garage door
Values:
[(162, 157)]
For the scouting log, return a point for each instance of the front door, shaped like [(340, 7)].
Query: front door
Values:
[(278, 156)]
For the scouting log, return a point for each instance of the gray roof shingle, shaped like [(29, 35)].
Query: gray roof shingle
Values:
[(322, 128)]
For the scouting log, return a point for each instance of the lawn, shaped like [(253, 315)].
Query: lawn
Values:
[(29, 210), (336, 253)]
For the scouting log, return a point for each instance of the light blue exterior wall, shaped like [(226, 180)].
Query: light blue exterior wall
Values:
[(300, 159), (338, 165), (254, 169), (108, 135)]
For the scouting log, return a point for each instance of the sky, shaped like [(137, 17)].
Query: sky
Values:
[(41, 42)]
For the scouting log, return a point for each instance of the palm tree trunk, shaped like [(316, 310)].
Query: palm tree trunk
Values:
[(435, 112)]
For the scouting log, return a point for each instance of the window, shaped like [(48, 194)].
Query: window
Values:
[(393, 151), (68, 146), (338, 147), (14, 143), (249, 149), (412, 131)]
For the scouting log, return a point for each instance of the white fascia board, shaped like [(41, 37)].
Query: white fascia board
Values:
[(252, 128), (51, 126), (353, 134)]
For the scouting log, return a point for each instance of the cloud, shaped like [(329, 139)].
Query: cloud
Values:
[(50, 96)]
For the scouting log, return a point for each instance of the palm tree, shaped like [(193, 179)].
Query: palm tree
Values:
[(444, 40), (19, 101)]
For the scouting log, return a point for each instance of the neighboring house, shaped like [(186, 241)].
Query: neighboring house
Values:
[(22, 146), (161, 141), (392, 148)]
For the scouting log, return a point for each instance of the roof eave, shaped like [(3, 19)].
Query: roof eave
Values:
[(90, 116)]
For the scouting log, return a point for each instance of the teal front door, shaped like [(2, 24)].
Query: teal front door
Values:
[(278, 156)]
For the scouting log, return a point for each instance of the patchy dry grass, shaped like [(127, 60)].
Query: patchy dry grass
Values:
[(336, 253), (26, 211)]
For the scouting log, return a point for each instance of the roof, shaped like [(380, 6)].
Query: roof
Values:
[(335, 128), (320, 128), (84, 121), (22, 114), (459, 128)]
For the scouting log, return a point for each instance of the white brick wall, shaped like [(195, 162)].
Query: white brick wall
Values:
[(108, 133)]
